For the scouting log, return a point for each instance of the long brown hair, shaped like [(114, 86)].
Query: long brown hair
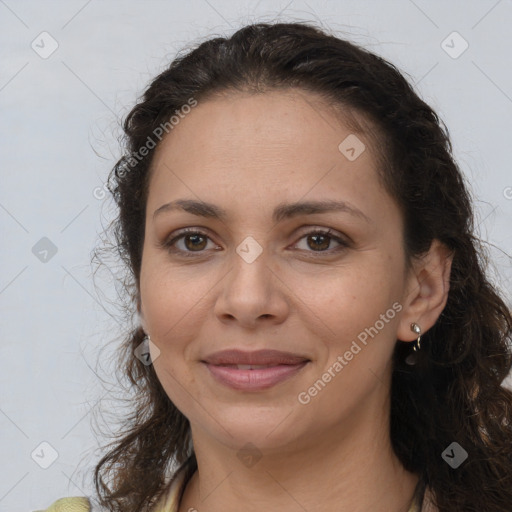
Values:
[(454, 392)]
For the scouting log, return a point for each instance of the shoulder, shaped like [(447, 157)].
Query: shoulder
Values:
[(75, 504)]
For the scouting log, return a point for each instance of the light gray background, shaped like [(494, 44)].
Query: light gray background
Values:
[(59, 123)]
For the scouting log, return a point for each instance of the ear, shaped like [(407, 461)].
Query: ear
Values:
[(428, 284)]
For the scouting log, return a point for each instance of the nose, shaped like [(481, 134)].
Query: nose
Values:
[(252, 294)]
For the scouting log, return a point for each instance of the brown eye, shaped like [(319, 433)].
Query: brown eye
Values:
[(187, 242), (320, 241), (195, 242)]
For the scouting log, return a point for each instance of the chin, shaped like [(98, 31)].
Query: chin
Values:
[(266, 430)]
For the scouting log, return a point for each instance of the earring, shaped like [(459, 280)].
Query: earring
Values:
[(412, 358), (417, 329)]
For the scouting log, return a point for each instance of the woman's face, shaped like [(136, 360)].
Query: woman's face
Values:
[(262, 276)]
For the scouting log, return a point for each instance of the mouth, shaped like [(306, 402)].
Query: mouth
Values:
[(253, 377), (255, 358), (248, 366)]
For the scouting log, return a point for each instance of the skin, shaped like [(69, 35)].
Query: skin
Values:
[(247, 154)]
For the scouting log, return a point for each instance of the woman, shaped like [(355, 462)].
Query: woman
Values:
[(316, 328)]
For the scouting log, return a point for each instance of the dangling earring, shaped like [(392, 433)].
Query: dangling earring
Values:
[(412, 358)]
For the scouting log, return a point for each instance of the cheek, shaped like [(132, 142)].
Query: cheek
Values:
[(359, 308), (176, 306), (353, 296), (172, 306), (171, 299)]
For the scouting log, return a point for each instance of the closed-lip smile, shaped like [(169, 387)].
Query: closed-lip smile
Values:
[(255, 370)]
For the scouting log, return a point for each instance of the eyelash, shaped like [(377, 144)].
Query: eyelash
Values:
[(169, 243)]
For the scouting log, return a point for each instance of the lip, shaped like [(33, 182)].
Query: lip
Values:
[(254, 380), (281, 366), (257, 357)]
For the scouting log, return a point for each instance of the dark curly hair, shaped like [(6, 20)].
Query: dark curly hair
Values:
[(454, 392)]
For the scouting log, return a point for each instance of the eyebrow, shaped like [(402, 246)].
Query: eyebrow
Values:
[(281, 212)]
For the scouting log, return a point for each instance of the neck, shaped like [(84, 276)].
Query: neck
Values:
[(351, 469)]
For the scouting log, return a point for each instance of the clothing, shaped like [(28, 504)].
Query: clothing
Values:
[(75, 504), (169, 502)]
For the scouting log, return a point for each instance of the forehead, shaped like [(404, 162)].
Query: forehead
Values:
[(285, 143), (242, 119)]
